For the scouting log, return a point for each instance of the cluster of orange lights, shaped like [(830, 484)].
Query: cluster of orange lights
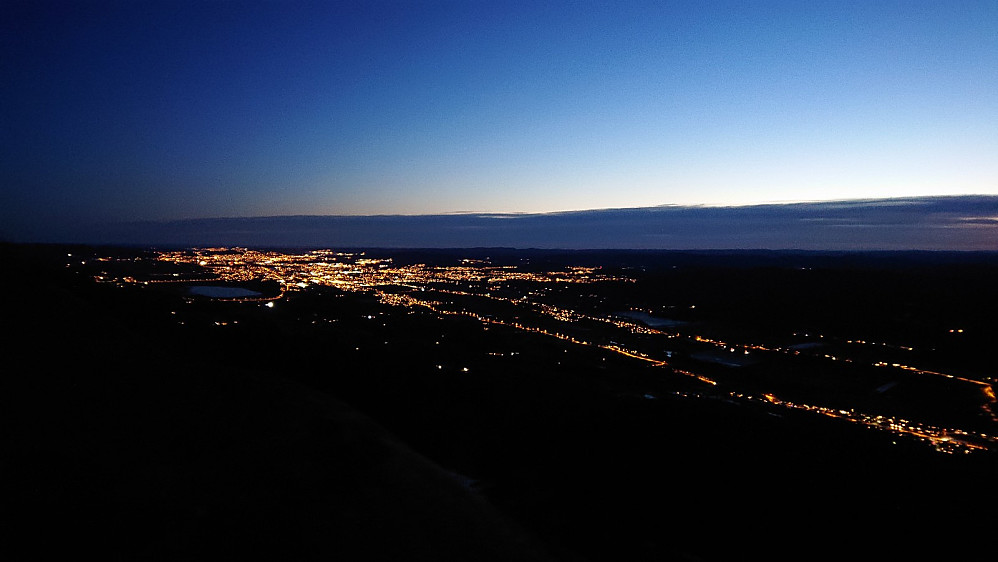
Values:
[(412, 286)]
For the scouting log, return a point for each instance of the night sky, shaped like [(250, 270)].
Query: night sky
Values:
[(120, 112)]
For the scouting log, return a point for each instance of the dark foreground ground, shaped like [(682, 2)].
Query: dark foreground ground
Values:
[(131, 442)]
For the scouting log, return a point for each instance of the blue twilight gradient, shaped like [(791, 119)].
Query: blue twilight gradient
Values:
[(121, 111)]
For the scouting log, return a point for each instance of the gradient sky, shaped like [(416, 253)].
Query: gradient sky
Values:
[(137, 110)]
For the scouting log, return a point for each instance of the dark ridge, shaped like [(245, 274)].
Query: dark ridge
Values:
[(144, 450)]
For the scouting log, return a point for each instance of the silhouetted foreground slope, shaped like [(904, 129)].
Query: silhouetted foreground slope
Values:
[(125, 449)]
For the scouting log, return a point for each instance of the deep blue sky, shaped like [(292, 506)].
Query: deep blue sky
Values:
[(136, 110)]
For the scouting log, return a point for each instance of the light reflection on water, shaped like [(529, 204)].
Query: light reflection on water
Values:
[(218, 292), (653, 321)]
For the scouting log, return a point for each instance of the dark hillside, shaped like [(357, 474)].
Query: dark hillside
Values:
[(138, 425), (117, 443)]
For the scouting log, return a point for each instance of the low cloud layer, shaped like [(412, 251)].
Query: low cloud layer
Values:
[(920, 223)]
